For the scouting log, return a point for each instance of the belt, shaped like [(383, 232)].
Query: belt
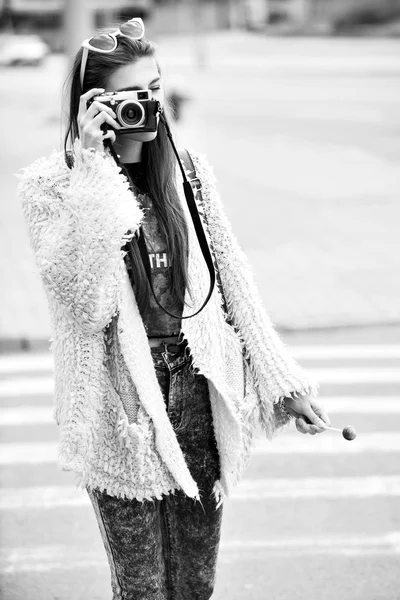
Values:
[(168, 344)]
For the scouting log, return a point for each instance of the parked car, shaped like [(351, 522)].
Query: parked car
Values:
[(18, 49)]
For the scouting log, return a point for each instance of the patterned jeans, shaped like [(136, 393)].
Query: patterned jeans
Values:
[(167, 549)]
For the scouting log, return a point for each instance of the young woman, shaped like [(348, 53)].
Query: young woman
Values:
[(156, 412)]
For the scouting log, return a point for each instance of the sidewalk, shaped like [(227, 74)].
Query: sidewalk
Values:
[(302, 135)]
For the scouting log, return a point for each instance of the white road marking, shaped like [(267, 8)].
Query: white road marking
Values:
[(42, 497), (29, 453), (29, 386), (47, 558), (43, 362), (351, 351), (368, 405), (356, 375), (44, 386), (49, 497), (317, 487), (26, 415), (391, 538), (328, 442), (325, 544), (25, 363)]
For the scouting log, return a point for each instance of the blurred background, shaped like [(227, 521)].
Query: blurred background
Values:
[(295, 102), (296, 105)]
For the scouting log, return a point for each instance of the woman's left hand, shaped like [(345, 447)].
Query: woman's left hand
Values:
[(307, 406)]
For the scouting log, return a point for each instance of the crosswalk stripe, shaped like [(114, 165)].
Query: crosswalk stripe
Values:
[(48, 497), (39, 386), (43, 362), (350, 351), (26, 415), (44, 558), (25, 363), (391, 538), (356, 375), (34, 386), (317, 487), (369, 405), (28, 453), (328, 442)]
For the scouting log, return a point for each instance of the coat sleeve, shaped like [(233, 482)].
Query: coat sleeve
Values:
[(78, 221), (275, 373)]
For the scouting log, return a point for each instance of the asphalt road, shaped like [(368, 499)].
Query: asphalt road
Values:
[(315, 517)]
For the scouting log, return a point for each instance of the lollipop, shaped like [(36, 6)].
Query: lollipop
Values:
[(349, 433)]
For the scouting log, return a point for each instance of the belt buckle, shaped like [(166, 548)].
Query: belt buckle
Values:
[(167, 356), (167, 345)]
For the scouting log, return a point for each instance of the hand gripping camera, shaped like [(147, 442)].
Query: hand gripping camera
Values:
[(136, 111)]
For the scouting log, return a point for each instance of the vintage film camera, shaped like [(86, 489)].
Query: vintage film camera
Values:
[(136, 112)]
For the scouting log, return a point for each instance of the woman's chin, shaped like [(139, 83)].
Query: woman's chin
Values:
[(146, 136)]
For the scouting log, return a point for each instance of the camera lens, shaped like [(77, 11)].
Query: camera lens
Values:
[(130, 114)]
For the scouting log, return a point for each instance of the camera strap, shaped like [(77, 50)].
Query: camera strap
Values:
[(196, 184), (141, 240)]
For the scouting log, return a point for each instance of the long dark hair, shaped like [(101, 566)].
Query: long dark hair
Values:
[(158, 161)]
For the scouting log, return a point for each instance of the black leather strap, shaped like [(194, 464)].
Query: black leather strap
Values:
[(196, 184), (187, 186), (196, 222)]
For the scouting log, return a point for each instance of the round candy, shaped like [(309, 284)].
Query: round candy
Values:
[(349, 433)]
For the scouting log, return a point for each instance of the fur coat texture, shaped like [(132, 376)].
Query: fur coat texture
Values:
[(114, 431)]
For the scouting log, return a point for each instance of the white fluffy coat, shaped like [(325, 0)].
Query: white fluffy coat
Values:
[(78, 220)]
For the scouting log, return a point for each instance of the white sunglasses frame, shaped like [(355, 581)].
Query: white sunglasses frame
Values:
[(114, 34)]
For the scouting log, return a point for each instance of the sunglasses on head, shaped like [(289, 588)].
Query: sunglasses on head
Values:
[(107, 42)]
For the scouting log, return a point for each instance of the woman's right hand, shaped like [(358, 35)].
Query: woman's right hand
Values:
[(91, 119)]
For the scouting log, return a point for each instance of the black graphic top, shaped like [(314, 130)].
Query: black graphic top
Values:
[(156, 321)]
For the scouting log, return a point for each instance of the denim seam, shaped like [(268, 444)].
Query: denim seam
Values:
[(110, 550), (167, 548), (183, 416)]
